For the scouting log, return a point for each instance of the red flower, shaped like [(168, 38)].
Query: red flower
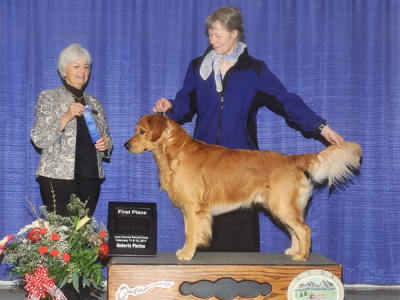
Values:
[(102, 234), (4, 242), (54, 253), (43, 231), (104, 250), (55, 237), (66, 257), (34, 235), (43, 249)]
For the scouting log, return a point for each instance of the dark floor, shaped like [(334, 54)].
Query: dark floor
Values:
[(351, 293), (372, 293)]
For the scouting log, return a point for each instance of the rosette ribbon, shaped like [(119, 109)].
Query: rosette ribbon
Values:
[(39, 283)]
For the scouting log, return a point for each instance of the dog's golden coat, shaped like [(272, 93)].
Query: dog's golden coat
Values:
[(203, 180)]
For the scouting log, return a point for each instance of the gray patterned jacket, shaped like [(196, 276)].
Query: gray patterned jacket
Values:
[(58, 147)]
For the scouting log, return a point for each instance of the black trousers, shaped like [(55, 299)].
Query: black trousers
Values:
[(237, 231), (85, 188)]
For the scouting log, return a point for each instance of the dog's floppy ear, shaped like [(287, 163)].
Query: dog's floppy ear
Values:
[(157, 125)]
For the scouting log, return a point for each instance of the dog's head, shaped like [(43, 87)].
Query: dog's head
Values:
[(149, 130)]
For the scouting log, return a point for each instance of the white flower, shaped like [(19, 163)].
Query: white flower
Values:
[(82, 222), (34, 224), (25, 229)]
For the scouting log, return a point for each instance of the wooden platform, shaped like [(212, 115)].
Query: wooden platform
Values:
[(164, 277)]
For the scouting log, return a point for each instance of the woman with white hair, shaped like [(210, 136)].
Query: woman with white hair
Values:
[(71, 159)]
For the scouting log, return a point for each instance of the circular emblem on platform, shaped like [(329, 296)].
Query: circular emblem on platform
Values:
[(315, 284)]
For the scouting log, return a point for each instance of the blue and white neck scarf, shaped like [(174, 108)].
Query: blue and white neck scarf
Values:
[(212, 61)]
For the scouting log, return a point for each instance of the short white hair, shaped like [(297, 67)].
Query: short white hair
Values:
[(70, 54)]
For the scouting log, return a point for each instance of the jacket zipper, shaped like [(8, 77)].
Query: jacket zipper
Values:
[(220, 116), (222, 102)]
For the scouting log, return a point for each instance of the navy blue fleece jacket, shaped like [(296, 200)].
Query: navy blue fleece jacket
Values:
[(229, 118)]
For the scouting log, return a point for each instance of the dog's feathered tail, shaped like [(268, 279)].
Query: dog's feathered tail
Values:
[(334, 165)]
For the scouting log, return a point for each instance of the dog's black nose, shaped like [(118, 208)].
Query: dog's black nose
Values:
[(127, 146)]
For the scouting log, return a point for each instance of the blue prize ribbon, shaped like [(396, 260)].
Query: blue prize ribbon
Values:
[(91, 125)]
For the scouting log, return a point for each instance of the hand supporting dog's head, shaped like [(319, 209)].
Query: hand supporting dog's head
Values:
[(149, 130)]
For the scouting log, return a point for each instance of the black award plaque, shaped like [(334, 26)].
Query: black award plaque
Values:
[(132, 228)]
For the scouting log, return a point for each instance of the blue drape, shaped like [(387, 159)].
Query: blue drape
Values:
[(340, 56)]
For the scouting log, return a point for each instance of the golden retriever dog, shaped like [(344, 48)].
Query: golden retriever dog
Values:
[(204, 180)]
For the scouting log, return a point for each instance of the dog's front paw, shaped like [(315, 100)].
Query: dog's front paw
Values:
[(183, 254), (300, 257)]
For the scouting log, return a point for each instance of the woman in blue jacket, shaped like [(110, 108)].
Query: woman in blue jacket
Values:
[(225, 88)]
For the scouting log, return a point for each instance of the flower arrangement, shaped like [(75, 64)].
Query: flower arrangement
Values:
[(55, 251)]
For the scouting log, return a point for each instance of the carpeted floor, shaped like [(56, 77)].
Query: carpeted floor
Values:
[(351, 293)]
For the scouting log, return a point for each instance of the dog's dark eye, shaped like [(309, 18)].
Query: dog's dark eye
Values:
[(141, 131)]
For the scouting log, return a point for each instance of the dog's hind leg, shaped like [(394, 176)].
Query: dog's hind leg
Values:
[(303, 233), (288, 206), (197, 231), (304, 193), (295, 248), (292, 218)]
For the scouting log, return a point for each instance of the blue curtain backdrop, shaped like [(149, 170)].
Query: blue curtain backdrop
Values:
[(342, 57)]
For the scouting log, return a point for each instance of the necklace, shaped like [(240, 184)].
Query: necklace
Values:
[(79, 99)]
